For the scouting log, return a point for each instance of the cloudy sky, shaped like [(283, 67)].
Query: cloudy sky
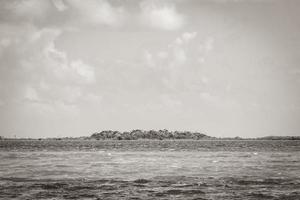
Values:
[(222, 67)]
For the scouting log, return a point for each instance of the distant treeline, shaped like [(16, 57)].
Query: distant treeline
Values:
[(154, 135), (151, 134), (280, 138)]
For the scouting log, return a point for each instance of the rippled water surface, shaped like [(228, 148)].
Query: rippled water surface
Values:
[(149, 170)]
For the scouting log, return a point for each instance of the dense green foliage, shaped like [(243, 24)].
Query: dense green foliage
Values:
[(152, 134)]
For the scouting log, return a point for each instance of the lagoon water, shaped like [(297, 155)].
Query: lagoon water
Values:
[(86, 169)]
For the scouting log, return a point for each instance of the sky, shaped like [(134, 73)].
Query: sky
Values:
[(225, 68)]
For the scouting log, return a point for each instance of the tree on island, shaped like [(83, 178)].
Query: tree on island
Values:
[(151, 134)]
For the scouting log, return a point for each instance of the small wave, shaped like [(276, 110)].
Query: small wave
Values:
[(166, 187)]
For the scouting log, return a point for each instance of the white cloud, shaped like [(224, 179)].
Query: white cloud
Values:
[(48, 74), (207, 45), (173, 56), (58, 63), (187, 36), (84, 70), (60, 5), (163, 54), (201, 59), (98, 12), (170, 101), (179, 56), (204, 80), (161, 16), (67, 14), (178, 48), (184, 39), (178, 62), (70, 94), (206, 96), (66, 109), (178, 41), (149, 59), (2, 103), (241, 1), (32, 9), (31, 94), (5, 42), (93, 98)]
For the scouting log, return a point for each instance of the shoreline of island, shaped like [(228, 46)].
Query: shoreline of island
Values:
[(164, 134)]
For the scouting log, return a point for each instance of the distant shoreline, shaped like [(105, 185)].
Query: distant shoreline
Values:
[(79, 144), (155, 135), (78, 139)]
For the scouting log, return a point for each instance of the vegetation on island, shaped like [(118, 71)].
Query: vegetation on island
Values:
[(164, 134), (172, 135), (151, 134), (280, 138)]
